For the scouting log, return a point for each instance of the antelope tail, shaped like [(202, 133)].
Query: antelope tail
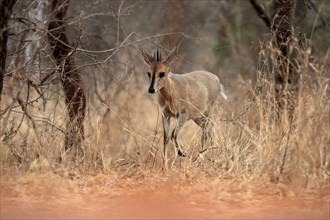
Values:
[(223, 92)]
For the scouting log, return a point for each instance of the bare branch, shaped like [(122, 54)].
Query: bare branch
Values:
[(261, 13)]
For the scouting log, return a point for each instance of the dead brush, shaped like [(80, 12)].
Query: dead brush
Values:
[(249, 143), (263, 144), (258, 143)]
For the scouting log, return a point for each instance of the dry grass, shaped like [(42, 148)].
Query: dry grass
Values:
[(124, 133)]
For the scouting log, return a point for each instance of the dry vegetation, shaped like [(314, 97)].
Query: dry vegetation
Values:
[(123, 133)]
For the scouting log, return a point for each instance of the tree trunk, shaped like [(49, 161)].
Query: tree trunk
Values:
[(287, 28), (282, 35), (70, 78), (286, 25), (6, 7)]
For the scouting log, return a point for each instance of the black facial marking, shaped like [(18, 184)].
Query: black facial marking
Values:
[(151, 87), (155, 69)]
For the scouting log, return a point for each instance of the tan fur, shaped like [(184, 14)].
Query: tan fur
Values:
[(194, 92)]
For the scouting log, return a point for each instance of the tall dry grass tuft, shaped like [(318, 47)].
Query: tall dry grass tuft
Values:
[(298, 150), (261, 144), (124, 132)]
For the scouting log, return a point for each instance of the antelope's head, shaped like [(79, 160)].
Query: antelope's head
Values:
[(158, 68)]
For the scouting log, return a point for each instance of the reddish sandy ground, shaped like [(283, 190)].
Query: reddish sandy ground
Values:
[(45, 196)]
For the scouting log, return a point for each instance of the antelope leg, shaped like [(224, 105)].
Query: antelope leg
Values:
[(181, 118)]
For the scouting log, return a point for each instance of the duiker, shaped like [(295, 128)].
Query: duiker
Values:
[(187, 96)]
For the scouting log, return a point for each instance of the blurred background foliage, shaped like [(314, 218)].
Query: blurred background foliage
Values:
[(223, 37), (220, 36)]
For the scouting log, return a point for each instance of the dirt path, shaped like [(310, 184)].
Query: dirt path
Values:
[(104, 197)]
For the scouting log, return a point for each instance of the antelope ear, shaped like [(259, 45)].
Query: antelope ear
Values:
[(147, 58), (168, 60)]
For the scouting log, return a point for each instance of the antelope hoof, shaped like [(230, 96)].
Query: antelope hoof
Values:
[(182, 153)]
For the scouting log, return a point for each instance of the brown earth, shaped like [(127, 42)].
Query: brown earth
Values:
[(45, 196)]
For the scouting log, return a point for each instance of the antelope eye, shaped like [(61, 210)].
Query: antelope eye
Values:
[(161, 75), (149, 74)]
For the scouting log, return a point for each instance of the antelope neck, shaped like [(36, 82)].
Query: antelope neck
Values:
[(167, 90)]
